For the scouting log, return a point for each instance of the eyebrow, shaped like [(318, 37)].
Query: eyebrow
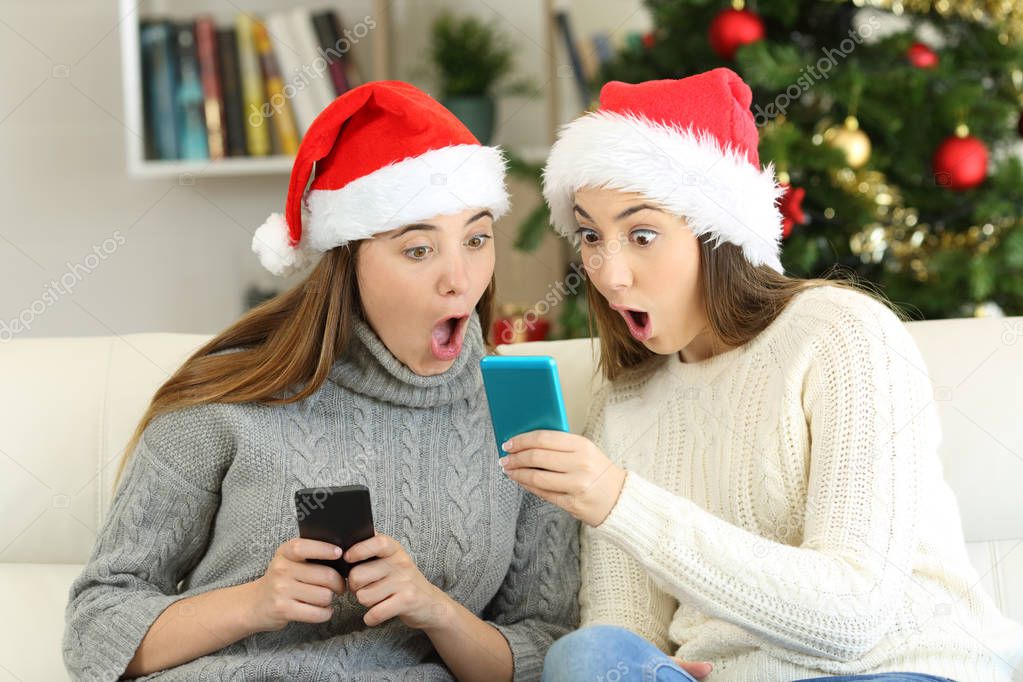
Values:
[(624, 214), (426, 226)]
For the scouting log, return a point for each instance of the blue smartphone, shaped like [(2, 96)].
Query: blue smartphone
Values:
[(524, 395)]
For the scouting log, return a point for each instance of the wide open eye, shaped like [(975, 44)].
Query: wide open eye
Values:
[(478, 241), (644, 236), (418, 252), (587, 236)]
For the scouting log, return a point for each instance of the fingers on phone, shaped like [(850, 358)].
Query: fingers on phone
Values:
[(300, 549), (317, 595), (307, 613), (325, 576), (334, 581)]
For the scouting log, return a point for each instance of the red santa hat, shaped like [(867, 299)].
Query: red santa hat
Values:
[(690, 145), (381, 155)]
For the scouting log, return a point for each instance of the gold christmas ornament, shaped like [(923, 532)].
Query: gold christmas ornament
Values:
[(851, 140)]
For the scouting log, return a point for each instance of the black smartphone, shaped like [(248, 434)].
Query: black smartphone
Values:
[(339, 514)]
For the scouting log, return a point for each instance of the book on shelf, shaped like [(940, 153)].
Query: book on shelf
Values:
[(284, 132), (284, 47), (307, 46), (326, 35), (247, 88), (190, 119), (257, 135), (586, 56), (230, 79), (209, 74), (159, 89), (574, 57)]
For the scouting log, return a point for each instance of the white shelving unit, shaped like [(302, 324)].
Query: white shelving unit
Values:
[(223, 11), (258, 165)]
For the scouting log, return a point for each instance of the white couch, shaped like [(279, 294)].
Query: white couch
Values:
[(68, 406)]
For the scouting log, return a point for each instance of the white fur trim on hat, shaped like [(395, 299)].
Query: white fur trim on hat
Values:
[(685, 171), (438, 182), (272, 244)]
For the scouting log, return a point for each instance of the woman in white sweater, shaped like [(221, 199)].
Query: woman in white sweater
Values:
[(758, 481)]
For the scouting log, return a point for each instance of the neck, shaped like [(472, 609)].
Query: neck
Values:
[(704, 345)]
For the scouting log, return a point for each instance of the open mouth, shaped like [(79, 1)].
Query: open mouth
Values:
[(638, 322), (447, 336)]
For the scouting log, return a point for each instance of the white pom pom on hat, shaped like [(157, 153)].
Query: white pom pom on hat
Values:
[(272, 246)]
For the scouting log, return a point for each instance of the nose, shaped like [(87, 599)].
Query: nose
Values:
[(613, 271), (454, 280)]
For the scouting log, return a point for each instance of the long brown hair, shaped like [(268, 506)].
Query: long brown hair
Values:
[(289, 341), (744, 300)]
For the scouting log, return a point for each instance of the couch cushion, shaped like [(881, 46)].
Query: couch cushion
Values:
[(34, 598), (51, 433), (976, 366)]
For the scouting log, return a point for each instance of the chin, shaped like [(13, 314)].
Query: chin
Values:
[(664, 346), (655, 345), (431, 367)]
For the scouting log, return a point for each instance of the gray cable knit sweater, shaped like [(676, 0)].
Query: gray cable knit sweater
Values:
[(208, 496)]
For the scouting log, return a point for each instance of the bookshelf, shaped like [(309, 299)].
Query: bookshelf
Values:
[(375, 61), (616, 21)]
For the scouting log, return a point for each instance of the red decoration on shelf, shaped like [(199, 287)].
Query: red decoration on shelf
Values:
[(733, 28), (922, 56), (791, 207), (960, 162)]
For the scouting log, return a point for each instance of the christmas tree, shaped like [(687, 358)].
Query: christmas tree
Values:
[(895, 125)]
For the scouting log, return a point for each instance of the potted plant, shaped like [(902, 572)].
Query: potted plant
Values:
[(472, 58)]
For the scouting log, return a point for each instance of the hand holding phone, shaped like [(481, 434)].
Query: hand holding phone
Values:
[(292, 589)]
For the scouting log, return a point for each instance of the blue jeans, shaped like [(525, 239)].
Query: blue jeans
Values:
[(607, 653)]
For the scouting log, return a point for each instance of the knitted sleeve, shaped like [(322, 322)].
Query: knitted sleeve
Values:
[(155, 532), (537, 602), (867, 401), (615, 589)]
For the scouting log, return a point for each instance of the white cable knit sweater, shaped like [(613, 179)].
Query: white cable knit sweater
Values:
[(784, 515)]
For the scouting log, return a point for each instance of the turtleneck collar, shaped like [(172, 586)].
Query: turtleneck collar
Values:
[(369, 368)]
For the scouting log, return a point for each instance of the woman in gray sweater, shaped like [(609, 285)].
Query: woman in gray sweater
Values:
[(365, 372)]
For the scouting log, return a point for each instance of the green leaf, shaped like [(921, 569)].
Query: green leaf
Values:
[(533, 229)]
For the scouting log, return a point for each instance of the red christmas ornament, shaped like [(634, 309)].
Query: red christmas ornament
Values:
[(791, 207), (921, 56), (960, 162), (649, 39), (733, 28)]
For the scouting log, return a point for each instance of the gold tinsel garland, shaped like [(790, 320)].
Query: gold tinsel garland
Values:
[(896, 228), (1007, 13)]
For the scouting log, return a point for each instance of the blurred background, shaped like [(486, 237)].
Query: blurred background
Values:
[(144, 141)]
